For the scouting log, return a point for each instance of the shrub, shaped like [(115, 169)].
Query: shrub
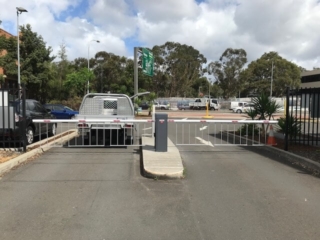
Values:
[(294, 126), (248, 129)]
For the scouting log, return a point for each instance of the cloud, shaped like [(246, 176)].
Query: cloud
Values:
[(288, 27)]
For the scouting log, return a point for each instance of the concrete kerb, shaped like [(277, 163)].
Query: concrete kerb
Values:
[(43, 146), (161, 165), (288, 158)]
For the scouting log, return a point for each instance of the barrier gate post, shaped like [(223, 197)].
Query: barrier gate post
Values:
[(161, 132)]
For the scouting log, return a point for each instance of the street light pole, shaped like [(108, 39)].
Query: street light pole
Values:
[(19, 11), (88, 59), (271, 80)]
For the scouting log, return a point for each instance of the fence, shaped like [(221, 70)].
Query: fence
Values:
[(302, 120), (74, 133), (12, 117)]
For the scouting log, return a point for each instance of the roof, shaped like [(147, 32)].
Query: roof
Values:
[(310, 73)]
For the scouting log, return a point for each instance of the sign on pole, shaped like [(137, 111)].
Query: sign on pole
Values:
[(147, 62)]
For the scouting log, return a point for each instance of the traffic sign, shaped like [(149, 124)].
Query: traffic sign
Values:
[(147, 62)]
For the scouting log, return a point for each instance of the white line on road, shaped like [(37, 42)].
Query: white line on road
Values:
[(147, 128), (203, 128), (204, 141), (185, 119)]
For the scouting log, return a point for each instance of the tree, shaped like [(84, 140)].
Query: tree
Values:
[(176, 69), (9, 60), (228, 69), (260, 73), (35, 60), (76, 83)]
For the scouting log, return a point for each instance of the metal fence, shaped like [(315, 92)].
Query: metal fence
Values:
[(303, 118), (113, 133), (182, 132), (12, 117)]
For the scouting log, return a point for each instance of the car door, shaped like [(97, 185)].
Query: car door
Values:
[(39, 112), (60, 112)]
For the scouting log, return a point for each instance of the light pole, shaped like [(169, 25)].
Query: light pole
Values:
[(271, 80), (19, 11), (209, 86), (88, 59)]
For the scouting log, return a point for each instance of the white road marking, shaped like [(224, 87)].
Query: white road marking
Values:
[(205, 142), (203, 128), (185, 119), (147, 128)]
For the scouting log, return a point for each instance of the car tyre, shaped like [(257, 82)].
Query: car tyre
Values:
[(239, 111), (30, 135)]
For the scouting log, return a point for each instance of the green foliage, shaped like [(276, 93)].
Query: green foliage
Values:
[(228, 69), (35, 59), (248, 129), (9, 60), (252, 113), (259, 75), (294, 126), (76, 82), (264, 106)]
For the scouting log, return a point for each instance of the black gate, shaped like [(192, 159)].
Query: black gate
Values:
[(12, 117), (302, 117)]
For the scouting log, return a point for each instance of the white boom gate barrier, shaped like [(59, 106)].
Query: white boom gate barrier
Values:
[(220, 132), (104, 132), (96, 132)]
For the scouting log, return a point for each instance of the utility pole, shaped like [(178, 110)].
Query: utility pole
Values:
[(271, 80)]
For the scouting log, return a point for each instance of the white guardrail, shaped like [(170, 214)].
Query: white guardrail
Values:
[(119, 132)]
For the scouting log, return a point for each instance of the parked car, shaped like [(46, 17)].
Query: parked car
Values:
[(12, 128), (183, 106), (144, 106), (61, 111), (244, 108)]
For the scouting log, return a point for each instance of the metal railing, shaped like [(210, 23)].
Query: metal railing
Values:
[(102, 133), (221, 132), (95, 132)]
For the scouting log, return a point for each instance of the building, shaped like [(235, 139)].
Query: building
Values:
[(4, 52), (310, 79)]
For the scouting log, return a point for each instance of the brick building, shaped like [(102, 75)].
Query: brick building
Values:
[(3, 52)]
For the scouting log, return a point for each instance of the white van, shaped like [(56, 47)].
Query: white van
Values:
[(236, 105)]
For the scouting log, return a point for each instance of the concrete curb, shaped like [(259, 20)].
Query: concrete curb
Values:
[(288, 158), (295, 160), (44, 145), (164, 165)]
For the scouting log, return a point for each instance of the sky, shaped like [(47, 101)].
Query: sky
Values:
[(289, 27)]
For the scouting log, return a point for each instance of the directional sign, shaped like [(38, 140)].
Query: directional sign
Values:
[(147, 62)]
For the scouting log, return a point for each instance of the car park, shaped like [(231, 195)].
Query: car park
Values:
[(61, 112), (13, 127)]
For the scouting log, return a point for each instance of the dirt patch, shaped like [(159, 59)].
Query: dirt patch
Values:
[(303, 150), (7, 155)]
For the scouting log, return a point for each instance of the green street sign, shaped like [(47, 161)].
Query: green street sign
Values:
[(147, 62)]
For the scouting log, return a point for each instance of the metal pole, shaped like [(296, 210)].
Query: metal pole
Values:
[(18, 51), (136, 70), (287, 121), (209, 88), (88, 67), (271, 80)]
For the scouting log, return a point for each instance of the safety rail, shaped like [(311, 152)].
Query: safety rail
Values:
[(95, 132), (102, 132), (222, 132)]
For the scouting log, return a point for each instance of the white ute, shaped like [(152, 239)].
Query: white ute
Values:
[(104, 106)]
